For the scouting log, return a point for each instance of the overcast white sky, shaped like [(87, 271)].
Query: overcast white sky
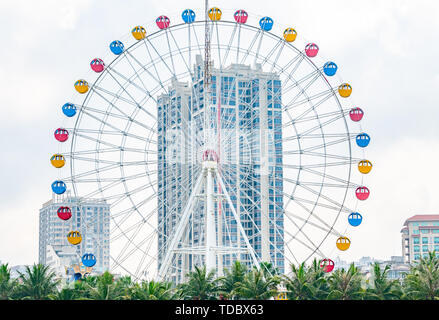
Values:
[(388, 51)]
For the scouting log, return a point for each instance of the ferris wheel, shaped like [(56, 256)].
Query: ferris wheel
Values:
[(214, 140)]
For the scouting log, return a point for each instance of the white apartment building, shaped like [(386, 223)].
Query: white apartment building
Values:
[(91, 217), (420, 235)]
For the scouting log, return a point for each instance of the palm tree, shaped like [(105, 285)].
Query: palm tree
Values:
[(268, 269), (345, 285), (200, 285), (37, 283), (7, 285), (256, 287), (229, 282), (383, 288), (152, 290), (105, 288), (64, 294), (423, 280)]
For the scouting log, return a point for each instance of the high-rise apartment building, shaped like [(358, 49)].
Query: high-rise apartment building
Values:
[(420, 235), (91, 217), (249, 101)]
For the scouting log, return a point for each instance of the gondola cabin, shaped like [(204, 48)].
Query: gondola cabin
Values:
[(343, 243), (290, 34), (364, 166), (58, 160), (64, 213), (356, 114), (81, 86), (97, 65), (345, 90), (139, 33), (240, 16), (355, 219), (188, 16), (163, 22), (311, 50), (330, 68), (266, 23), (61, 134), (215, 14), (362, 193), (74, 237), (88, 260), (69, 109), (362, 140), (59, 187), (327, 265), (117, 47)]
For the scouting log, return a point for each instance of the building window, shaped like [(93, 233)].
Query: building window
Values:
[(424, 248), (436, 239), (416, 248), (415, 231), (417, 256), (424, 240), (425, 231), (416, 240)]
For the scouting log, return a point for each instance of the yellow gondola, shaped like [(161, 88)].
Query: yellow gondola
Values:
[(343, 243), (345, 90), (215, 14), (74, 237), (365, 166), (57, 160), (81, 86), (290, 34), (139, 33)]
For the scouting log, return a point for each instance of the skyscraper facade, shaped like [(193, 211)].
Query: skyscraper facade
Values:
[(91, 217), (246, 133)]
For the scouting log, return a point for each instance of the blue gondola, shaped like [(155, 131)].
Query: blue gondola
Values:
[(69, 109), (116, 47), (363, 140), (59, 187), (88, 260), (188, 16), (77, 276), (330, 68), (266, 23), (355, 219)]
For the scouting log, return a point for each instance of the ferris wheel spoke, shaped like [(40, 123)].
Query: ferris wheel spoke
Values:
[(232, 37), (302, 119), (188, 66), (170, 51), (279, 44), (274, 63), (114, 133), (247, 52), (160, 56), (317, 204)]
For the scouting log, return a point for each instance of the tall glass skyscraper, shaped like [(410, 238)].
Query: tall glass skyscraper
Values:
[(250, 153)]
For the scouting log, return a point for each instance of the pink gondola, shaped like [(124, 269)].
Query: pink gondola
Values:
[(97, 65), (163, 22), (362, 193), (240, 16), (356, 114), (61, 134), (311, 50), (327, 265)]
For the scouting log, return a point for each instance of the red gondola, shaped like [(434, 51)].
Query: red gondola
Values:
[(64, 213)]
